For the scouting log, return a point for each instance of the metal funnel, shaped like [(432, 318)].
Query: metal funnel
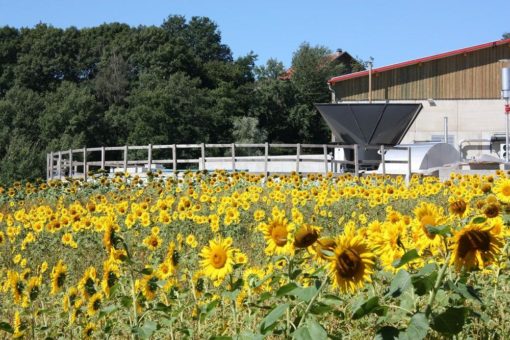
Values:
[(369, 124)]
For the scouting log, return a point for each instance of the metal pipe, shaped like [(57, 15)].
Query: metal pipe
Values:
[(507, 142), (446, 130), (370, 63)]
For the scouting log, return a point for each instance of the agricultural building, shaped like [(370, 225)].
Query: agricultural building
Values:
[(462, 85)]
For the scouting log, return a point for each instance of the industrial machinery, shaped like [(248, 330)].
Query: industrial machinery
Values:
[(375, 124)]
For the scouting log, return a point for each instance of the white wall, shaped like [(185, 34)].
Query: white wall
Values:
[(467, 119)]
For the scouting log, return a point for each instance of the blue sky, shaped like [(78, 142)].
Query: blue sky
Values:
[(389, 31)]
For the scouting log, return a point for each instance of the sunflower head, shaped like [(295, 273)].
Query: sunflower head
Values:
[(94, 303), (502, 190), (352, 263), (306, 236), (458, 207), (58, 276), (217, 258), (278, 236), (428, 215), (491, 210), (475, 246)]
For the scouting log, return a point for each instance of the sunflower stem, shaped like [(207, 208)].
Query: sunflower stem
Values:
[(323, 283), (439, 280)]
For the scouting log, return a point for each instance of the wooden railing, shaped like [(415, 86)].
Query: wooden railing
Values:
[(78, 163)]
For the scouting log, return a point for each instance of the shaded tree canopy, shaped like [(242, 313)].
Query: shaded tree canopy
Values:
[(175, 83)]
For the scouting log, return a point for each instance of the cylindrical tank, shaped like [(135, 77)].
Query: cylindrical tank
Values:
[(505, 83), (423, 156)]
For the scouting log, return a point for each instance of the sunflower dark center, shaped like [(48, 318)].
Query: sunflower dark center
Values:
[(89, 286), (112, 279), (473, 240), (348, 263), (97, 304), (152, 285), (60, 279), (305, 238), (175, 258)]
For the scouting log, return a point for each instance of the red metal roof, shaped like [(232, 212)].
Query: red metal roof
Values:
[(417, 61)]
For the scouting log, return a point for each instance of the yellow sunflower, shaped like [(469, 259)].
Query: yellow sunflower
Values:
[(94, 303), (149, 286), (152, 242), (111, 274), (278, 235), (352, 264), (502, 190), (89, 330), (69, 299), (306, 236), (87, 282), (475, 246), (217, 258), (429, 214), (58, 276)]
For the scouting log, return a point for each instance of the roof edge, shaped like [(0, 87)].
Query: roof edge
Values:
[(419, 60)]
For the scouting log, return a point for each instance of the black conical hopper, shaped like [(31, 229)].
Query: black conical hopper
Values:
[(369, 124)]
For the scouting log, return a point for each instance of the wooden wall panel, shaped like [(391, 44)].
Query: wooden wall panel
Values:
[(474, 75)]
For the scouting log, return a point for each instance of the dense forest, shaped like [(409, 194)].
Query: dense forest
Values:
[(177, 83)]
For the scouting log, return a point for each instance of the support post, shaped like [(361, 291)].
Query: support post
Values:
[(408, 177), (266, 159), (174, 160), (125, 158), (356, 160), (51, 165), (202, 155), (298, 154), (149, 157), (325, 150), (383, 160), (59, 165), (85, 166), (47, 166), (71, 163), (233, 153), (103, 156), (446, 130), (507, 138)]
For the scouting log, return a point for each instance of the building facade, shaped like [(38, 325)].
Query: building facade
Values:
[(461, 86)]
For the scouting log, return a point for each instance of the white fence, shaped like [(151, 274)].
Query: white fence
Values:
[(78, 163)]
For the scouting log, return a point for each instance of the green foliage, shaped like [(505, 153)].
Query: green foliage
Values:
[(177, 83)]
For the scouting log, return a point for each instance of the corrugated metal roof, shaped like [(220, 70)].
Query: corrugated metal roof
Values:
[(418, 61)]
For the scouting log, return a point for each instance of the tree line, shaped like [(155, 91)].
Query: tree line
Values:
[(175, 83)]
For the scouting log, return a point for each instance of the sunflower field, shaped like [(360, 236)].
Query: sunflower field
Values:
[(240, 256)]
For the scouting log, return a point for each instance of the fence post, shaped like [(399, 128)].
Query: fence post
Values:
[(233, 153), (51, 164), (59, 165), (85, 166), (71, 163), (174, 160), (103, 155), (202, 153), (325, 150), (408, 177), (149, 157), (47, 166), (298, 154), (356, 160), (125, 159), (266, 158), (383, 160)]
